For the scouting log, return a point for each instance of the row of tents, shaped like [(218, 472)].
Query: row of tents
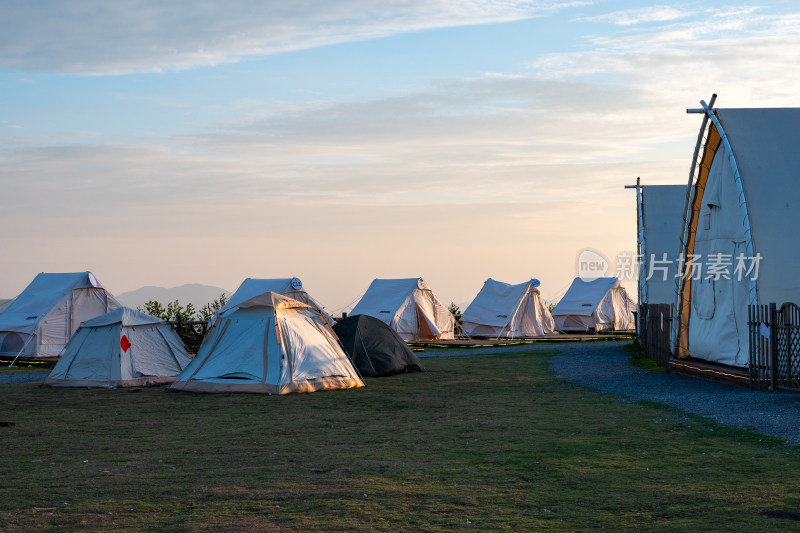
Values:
[(268, 344), (725, 241), (40, 321), (261, 340)]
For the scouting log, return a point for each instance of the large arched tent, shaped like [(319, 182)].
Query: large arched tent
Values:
[(41, 320), (409, 307), (122, 348), (269, 344), (289, 287), (599, 304), (503, 310), (374, 348), (743, 205)]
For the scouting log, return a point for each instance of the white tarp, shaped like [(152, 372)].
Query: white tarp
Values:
[(289, 287), (121, 348), (269, 344), (764, 144), (47, 313), (503, 310), (663, 207), (409, 307), (599, 304)]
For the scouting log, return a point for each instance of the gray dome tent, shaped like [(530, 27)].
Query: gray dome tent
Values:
[(374, 348), (123, 348)]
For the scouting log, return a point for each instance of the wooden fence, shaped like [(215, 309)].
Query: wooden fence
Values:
[(655, 325), (191, 332), (774, 346)]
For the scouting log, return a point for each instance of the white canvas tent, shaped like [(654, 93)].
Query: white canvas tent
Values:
[(600, 304), (269, 344), (289, 287), (41, 320), (122, 348), (409, 307), (503, 310), (743, 208)]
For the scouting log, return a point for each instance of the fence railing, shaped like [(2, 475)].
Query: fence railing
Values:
[(191, 332), (774, 346), (655, 324)]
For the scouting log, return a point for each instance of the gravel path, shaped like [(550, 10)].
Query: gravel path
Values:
[(605, 366)]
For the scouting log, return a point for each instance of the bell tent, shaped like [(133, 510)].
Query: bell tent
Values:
[(743, 205), (374, 348), (503, 310), (289, 287), (269, 344), (409, 307), (599, 304), (40, 321), (122, 348)]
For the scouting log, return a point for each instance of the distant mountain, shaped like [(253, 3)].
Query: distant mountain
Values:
[(193, 293)]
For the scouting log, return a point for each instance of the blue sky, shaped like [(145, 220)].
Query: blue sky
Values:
[(199, 143)]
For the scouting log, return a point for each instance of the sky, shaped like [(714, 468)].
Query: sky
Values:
[(165, 143)]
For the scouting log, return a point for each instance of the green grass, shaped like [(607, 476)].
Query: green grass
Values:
[(489, 443)]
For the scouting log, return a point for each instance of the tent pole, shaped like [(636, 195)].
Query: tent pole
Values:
[(641, 293), (361, 340)]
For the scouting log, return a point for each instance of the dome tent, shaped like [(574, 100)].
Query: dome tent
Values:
[(503, 310), (269, 344), (40, 321), (409, 307), (374, 348), (289, 287), (122, 348)]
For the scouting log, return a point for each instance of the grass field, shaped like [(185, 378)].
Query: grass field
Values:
[(486, 443)]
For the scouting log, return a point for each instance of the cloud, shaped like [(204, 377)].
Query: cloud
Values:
[(527, 168), (632, 17), (98, 37), (744, 54)]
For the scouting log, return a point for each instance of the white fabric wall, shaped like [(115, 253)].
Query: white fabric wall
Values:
[(718, 330)]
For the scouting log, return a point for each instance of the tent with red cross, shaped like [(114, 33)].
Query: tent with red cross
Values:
[(122, 348)]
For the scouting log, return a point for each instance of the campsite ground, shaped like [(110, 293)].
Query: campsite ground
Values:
[(490, 442)]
